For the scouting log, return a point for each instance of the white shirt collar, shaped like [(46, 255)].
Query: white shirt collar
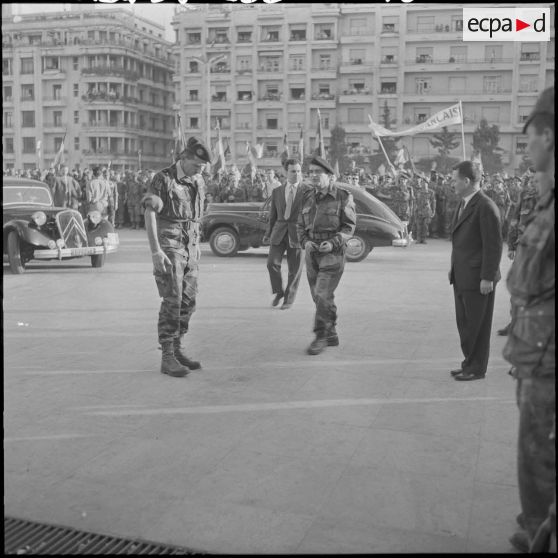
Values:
[(467, 199)]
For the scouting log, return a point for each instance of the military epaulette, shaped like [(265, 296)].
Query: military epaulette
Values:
[(345, 192)]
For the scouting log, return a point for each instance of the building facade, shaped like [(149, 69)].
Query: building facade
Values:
[(98, 80), (262, 70)]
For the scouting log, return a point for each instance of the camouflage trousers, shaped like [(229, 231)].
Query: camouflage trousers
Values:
[(324, 272), (134, 211), (178, 289), (536, 455), (422, 227)]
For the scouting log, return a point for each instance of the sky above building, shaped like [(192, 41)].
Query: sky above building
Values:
[(159, 13)]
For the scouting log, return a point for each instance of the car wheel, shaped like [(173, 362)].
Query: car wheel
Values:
[(224, 242), (98, 260), (357, 249), (17, 265)]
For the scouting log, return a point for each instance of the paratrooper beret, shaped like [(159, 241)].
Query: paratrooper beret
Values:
[(197, 149), (319, 162), (544, 105)]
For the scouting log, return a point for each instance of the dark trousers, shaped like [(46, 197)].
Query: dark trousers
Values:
[(324, 272), (536, 455), (178, 289), (473, 313), (294, 265)]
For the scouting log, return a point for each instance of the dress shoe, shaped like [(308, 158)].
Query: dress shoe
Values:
[(317, 346), (504, 331), (456, 371), (464, 376), (520, 541), (276, 300), (285, 306), (332, 340)]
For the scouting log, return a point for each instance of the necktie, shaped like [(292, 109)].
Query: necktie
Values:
[(461, 208), (290, 197)]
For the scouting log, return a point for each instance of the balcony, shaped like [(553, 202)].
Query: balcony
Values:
[(389, 29), (244, 39), (355, 66), (244, 71), (441, 63), (325, 71), (218, 99), (530, 57), (8, 100), (53, 127), (324, 36), (436, 29), (220, 69), (388, 91), (55, 100), (356, 96), (117, 71), (357, 128), (271, 97), (443, 95), (388, 61), (54, 74), (296, 37), (111, 98), (244, 97)]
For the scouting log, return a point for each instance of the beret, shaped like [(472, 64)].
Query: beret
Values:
[(319, 162), (544, 105), (197, 149)]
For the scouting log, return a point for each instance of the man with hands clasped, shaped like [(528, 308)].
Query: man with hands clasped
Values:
[(326, 221)]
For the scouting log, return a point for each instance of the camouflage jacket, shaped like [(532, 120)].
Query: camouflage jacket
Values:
[(521, 214), (425, 203)]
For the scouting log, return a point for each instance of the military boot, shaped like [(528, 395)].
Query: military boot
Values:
[(182, 358), (332, 338), (317, 346), (169, 363)]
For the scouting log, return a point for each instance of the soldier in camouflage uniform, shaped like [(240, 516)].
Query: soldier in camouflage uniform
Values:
[(401, 198), (425, 208), (135, 194), (437, 223), (173, 210), (452, 203), (122, 190), (326, 221)]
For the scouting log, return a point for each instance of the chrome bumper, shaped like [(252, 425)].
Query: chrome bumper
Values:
[(400, 242), (60, 253)]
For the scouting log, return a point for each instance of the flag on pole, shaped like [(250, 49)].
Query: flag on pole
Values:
[(401, 158), (410, 160), (320, 150), (219, 161), (59, 159), (336, 169), (446, 117), (285, 153), (301, 145), (38, 149), (139, 159)]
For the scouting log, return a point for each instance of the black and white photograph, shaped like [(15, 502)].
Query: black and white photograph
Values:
[(278, 277)]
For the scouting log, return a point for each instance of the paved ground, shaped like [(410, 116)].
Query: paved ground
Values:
[(368, 448)]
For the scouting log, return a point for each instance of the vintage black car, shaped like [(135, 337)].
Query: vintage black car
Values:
[(233, 227), (34, 229)]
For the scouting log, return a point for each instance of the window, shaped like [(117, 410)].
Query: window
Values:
[(28, 118), (76, 116), (456, 23), (7, 66), (76, 89), (76, 144), (51, 63), (520, 146), (390, 24), (297, 33), (245, 95), (57, 92), (356, 86), (458, 54), (75, 62), (27, 92), (219, 36), (424, 55), (57, 115), (421, 115), (272, 123), (493, 53), (193, 94), (244, 36), (297, 93), (530, 51), (425, 24), (524, 113), (356, 115), (194, 122), (7, 94), (357, 26), (357, 55), (323, 88), (270, 64), (296, 62), (28, 145), (492, 84), (27, 66), (193, 38), (270, 33), (8, 119), (457, 84), (270, 149), (8, 145), (244, 63), (323, 31), (325, 62), (388, 87), (490, 114), (194, 67), (528, 84), (423, 85), (389, 55), (57, 143)]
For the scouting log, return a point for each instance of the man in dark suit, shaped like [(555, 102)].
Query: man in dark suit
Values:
[(282, 236), (475, 269)]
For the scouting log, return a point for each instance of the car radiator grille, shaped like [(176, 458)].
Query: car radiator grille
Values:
[(28, 537), (71, 228)]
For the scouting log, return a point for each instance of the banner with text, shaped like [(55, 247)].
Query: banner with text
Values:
[(446, 117)]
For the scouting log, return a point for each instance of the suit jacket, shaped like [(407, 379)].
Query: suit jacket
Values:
[(278, 227), (476, 244)]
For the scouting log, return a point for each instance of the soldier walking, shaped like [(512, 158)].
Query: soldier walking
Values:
[(326, 221), (425, 208), (173, 210)]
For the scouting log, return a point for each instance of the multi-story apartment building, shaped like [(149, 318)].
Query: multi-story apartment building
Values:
[(265, 69), (101, 79)]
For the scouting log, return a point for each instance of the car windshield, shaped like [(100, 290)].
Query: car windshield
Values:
[(377, 208), (32, 195)]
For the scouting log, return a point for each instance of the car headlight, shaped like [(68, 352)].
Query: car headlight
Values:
[(94, 217), (98, 241), (51, 244), (60, 243), (39, 218)]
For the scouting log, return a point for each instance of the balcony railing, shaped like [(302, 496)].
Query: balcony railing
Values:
[(490, 91), (425, 59), (323, 96), (112, 71), (53, 125), (324, 37), (271, 97), (218, 99), (55, 99), (437, 28), (244, 39), (245, 97), (364, 91), (530, 56), (220, 69), (388, 91), (324, 68)]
